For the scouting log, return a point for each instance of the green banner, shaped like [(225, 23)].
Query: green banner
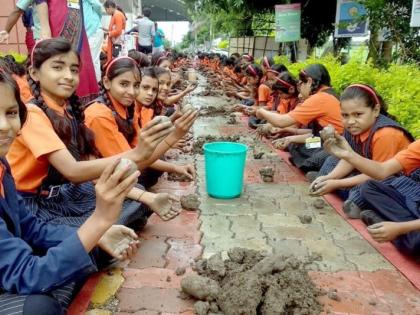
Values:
[(288, 22)]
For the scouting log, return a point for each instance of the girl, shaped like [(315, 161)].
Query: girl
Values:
[(18, 73), (372, 133), (48, 152), (147, 109), (161, 59), (58, 19), (45, 282), (320, 108), (115, 122), (395, 202)]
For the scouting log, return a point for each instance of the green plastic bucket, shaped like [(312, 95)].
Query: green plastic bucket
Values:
[(224, 164)]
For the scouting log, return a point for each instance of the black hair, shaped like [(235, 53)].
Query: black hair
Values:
[(159, 71), (13, 67), (62, 125), (236, 56), (229, 61), (288, 78), (368, 95), (237, 69), (158, 57), (319, 75), (279, 68), (256, 68), (118, 67), (110, 4), (7, 79), (141, 59), (147, 12), (270, 62)]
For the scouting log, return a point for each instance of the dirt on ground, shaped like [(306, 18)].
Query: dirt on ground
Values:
[(267, 174), (211, 111), (200, 141), (252, 282), (175, 177), (190, 202)]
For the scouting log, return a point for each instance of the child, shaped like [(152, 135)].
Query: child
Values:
[(18, 73), (115, 123), (372, 133), (161, 59), (45, 282), (147, 110), (395, 202), (53, 146), (320, 108)]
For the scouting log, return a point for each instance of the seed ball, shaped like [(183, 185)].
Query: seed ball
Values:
[(132, 167)]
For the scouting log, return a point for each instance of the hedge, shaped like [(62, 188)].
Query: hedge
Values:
[(399, 85)]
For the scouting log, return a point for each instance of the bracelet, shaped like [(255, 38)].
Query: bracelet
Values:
[(141, 194)]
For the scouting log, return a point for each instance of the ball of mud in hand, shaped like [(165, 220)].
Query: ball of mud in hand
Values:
[(327, 133), (132, 167), (187, 108), (162, 119)]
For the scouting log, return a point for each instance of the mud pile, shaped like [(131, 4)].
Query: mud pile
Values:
[(200, 141), (251, 282)]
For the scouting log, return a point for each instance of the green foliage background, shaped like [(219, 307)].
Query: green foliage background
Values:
[(399, 85)]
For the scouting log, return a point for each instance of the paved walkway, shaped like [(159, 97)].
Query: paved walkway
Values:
[(265, 217)]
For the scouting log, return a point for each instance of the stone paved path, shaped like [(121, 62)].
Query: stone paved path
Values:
[(265, 217)]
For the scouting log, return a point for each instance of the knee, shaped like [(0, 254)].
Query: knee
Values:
[(42, 305), (367, 188)]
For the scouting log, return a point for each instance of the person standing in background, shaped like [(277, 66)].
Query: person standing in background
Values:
[(116, 29), (158, 42), (92, 15), (146, 30)]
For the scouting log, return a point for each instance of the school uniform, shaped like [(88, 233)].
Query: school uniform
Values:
[(24, 88), (397, 199), (46, 193), (318, 111), (263, 96), (41, 265), (380, 143)]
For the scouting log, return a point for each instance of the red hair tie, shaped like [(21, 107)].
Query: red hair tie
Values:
[(116, 59), (251, 68), (266, 63), (286, 84), (367, 89)]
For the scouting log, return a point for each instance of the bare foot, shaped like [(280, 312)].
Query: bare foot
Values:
[(162, 205)]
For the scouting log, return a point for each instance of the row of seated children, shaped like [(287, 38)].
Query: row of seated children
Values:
[(360, 116), (56, 226)]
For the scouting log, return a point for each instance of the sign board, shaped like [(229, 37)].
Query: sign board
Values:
[(349, 19), (288, 22), (415, 14)]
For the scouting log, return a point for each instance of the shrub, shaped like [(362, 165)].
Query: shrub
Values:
[(399, 85), (18, 57)]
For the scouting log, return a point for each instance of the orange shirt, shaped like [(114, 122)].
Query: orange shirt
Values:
[(386, 143), (264, 95), (321, 107), (410, 158), (286, 105), (28, 154), (24, 88), (108, 139), (2, 172), (146, 114)]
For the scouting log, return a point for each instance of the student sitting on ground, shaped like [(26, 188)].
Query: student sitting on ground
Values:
[(372, 133), (320, 108), (395, 202), (51, 158), (43, 265)]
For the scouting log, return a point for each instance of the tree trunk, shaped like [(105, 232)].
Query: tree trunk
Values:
[(387, 51), (373, 46)]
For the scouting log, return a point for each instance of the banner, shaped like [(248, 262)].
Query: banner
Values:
[(415, 14), (287, 22), (349, 19)]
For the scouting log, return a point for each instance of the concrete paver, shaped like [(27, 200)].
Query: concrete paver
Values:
[(265, 217)]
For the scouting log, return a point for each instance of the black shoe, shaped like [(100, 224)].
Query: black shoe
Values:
[(370, 217), (351, 209)]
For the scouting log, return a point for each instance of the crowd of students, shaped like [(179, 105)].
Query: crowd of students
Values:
[(66, 210), (65, 207), (367, 142)]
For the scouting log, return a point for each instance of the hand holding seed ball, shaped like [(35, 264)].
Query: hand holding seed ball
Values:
[(186, 108), (126, 164), (327, 133)]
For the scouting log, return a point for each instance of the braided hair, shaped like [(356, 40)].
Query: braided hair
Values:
[(116, 68), (62, 125)]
